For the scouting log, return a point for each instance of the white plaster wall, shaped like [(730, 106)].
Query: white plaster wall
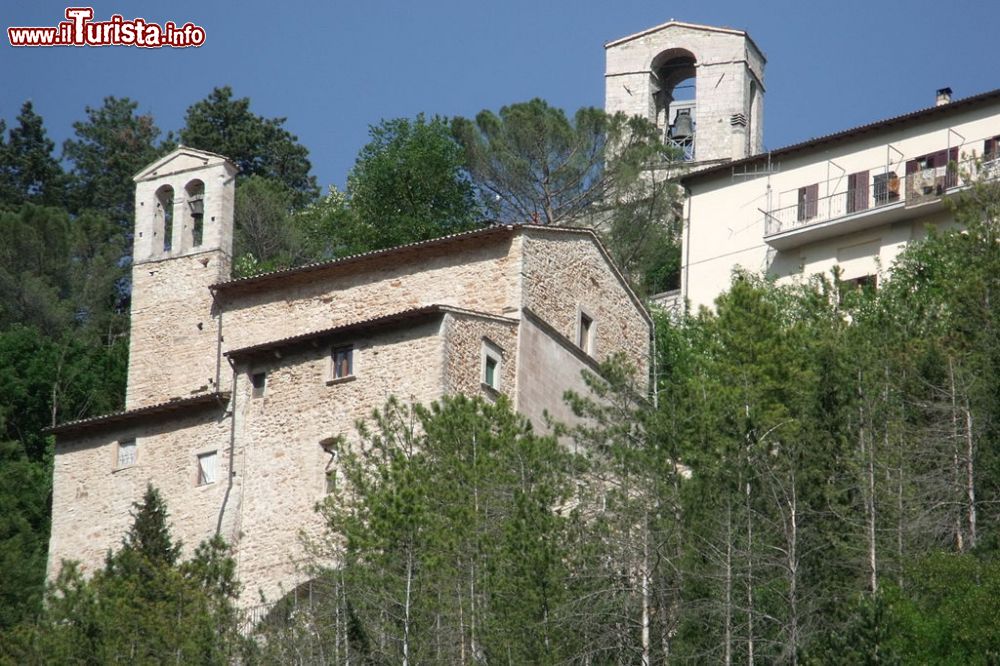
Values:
[(726, 223)]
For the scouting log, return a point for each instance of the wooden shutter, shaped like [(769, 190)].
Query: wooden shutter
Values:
[(808, 202), (857, 192)]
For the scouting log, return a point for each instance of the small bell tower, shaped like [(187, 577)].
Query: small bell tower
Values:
[(702, 86), (183, 244)]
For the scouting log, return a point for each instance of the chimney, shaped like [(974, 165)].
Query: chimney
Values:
[(943, 96)]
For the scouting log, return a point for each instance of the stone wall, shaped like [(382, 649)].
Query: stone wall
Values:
[(92, 501), (174, 332), (464, 336), (285, 472), (563, 276), (549, 367), (263, 499), (478, 274)]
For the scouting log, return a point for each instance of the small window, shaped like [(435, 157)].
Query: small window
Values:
[(585, 334), (330, 472), (491, 371), (343, 362), (207, 468), (864, 284), (126, 453), (259, 381), (492, 362), (886, 188)]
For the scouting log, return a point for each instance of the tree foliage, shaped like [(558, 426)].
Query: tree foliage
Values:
[(28, 169), (408, 184), (142, 607), (258, 146), (110, 147), (532, 164)]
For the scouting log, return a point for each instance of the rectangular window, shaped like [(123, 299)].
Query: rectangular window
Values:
[(126, 453), (990, 147), (584, 336), (491, 371), (343, 362), (808, 202), (259, 382), (886, 188), (932, 173), (492, 357), (207, 472), (865, 283)]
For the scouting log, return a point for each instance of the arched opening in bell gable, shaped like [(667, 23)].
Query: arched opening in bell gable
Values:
[(673, 75), (194, 195), (163, 223)]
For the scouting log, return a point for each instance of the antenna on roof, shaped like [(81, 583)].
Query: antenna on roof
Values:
[(758, 170)]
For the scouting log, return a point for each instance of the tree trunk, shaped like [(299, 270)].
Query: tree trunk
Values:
[(728, 629), (955, 464), (970, 479), (644, 582), (406, 610), (749, 579), (793, 572)]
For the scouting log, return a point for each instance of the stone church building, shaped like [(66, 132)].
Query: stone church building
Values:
[(236, 385)]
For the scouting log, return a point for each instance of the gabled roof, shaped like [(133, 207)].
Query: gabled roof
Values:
[(133, 416), (681, 24), (181, 158), (843, 136), (385, 321), (277, 275), (275, 278)]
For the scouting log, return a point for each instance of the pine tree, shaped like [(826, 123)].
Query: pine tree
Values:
[(28, 170)]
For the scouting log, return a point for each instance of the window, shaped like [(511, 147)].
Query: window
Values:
[(931, 174), (259, 382), (492, 358), (886, 188), (329, 446), (491, 371), (207, 468), (808, 202), (864, 284), (126, 453), (343, 362), (585, 333)]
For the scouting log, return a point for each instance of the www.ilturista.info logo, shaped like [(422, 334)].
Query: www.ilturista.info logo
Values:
[(81, 30)]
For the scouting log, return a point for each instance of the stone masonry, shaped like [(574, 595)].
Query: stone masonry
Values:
[(729, 75), (234, 386)]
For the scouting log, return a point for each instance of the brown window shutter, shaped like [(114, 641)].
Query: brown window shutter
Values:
[(812, 198), (857, 192)]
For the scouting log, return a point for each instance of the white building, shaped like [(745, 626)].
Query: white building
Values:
[(853, 199)]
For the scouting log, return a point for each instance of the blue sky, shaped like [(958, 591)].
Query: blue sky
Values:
[(334, 68)]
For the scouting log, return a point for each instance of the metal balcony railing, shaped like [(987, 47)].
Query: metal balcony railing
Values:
[(883, 189)]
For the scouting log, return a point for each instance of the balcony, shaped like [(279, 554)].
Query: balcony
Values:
[(887, 197)]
